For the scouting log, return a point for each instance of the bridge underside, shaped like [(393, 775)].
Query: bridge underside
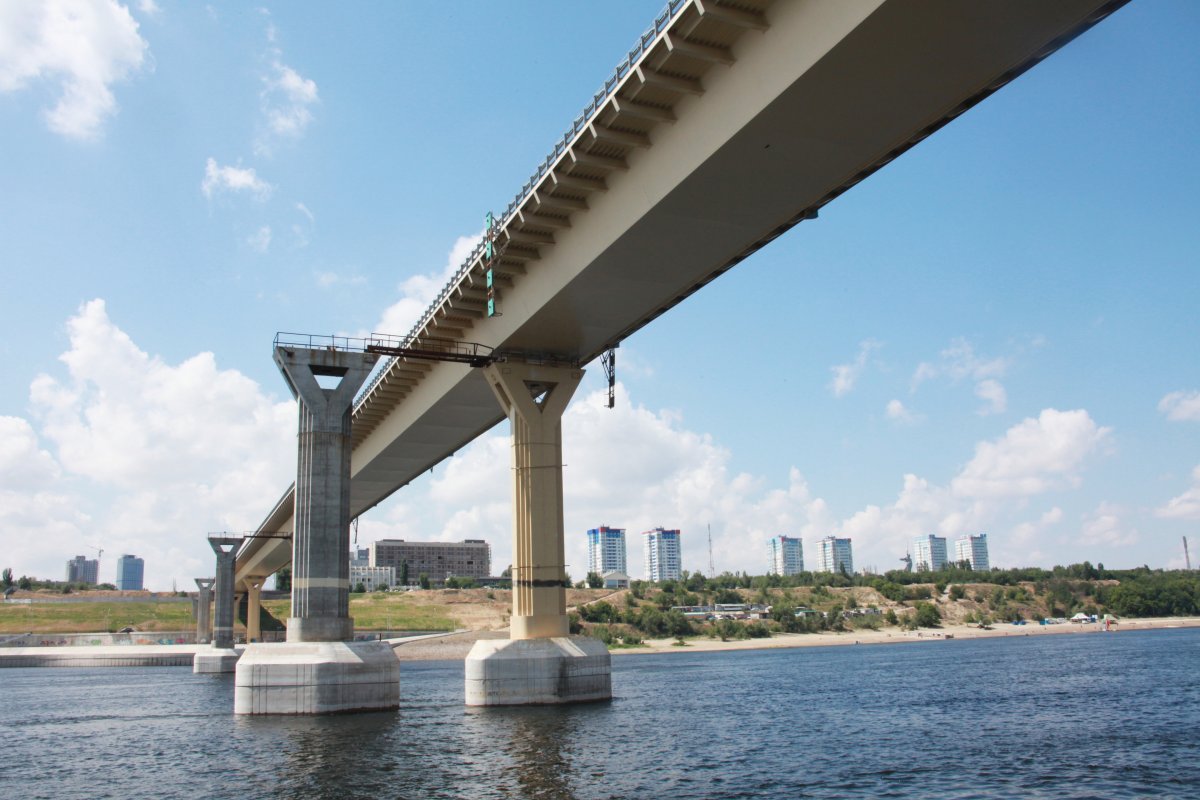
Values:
[(732, 128)]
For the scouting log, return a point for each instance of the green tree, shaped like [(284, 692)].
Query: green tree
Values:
[(7, 577), (423, 580), (404, 573), (283, 580), (25, 583), (594, 581), (359, 588), (890, 617), (928, 616)]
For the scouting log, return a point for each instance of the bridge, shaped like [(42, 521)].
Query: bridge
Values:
[(728, 123)]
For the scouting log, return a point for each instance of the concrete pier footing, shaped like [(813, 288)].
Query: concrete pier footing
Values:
[(521, 672), (317, 678), (215, 660)]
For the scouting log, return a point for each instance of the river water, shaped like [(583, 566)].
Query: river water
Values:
[(1073, 716)]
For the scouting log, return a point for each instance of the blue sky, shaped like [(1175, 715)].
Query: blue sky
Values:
[(996, 333)]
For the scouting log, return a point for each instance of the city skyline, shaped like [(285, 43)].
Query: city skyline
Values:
[(994, 332)]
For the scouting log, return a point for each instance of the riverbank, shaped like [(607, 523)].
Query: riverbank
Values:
[(456, 646)]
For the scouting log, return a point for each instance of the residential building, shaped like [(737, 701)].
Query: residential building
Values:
[(929, 553), (470, 558), (83, 570), (834, 555), (131, 572), (973, 549), (786, 555), (606, 550), (372, 578), (662, 555)]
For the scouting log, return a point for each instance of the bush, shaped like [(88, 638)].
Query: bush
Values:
[(928, 616), (890, 617)]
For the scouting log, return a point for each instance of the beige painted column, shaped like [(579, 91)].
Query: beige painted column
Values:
[(253, 610), (535, 397)]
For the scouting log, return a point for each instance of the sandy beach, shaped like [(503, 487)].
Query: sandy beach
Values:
[(455, 646)]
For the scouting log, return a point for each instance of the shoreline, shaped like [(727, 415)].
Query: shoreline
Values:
[(455, 646)]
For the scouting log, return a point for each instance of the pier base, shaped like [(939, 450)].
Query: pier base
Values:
[(316, 678), (215, 660), (518, 672)]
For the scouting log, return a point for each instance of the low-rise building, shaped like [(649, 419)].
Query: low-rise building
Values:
[(372, 578)]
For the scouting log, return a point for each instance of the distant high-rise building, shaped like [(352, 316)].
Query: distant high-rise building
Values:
[(786, 555), (833, 555), (131, 572), (662, 555), (929, 553), (470, 558), (606, 550), (973, 549), (83, 570), (360, 556)]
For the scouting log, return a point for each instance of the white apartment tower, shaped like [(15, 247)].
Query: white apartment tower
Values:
[(929, 553), (606, 550), (786, 555), (833, 555), (662, 555), (973, 549)]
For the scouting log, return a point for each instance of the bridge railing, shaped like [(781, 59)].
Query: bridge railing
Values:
[(622, 71)]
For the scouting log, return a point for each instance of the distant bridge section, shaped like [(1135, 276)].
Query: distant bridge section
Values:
[(729, 122)]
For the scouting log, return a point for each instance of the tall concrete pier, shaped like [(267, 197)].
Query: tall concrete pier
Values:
[(204, 610), (541, 663), (317, 671), (222, 657)]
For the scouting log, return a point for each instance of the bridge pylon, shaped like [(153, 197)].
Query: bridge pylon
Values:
[(541, 662), (317, 671), (203, 610), (222, 657)]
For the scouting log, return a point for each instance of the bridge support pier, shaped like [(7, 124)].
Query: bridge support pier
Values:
[(203, 610), (541, 663), (253, 611), (317, 671), (222, 657)]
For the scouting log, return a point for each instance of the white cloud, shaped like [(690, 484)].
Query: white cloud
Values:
[(327, 280), (896, 411), (147, 456), (419, 291), (1103, 527), (991, 391), (233, 179), (1186, 505), (846, 375), (23, 464), (960, 362), (1034, 456), (260, 240), (287, 99), (83, 46), (1181, 406), (149, 7)]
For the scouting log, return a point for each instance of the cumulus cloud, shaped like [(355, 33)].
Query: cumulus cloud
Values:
[(149, 7), (1103, 527), (991, 391), (895, 410), (960, 362), (233, 179), (846, 375), (287, 98), (147, 456), (1186, 505), (417, 292), (1181, 406), (81, 46), (1034, 456)]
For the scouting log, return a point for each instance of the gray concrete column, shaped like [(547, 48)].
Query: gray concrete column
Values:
[(535, 397), (203, 610), (321, 532), (226, 550)]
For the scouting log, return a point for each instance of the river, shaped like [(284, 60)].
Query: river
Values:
[(1099, 716)]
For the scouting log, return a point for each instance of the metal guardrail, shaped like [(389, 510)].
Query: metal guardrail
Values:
[(622, 71)]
